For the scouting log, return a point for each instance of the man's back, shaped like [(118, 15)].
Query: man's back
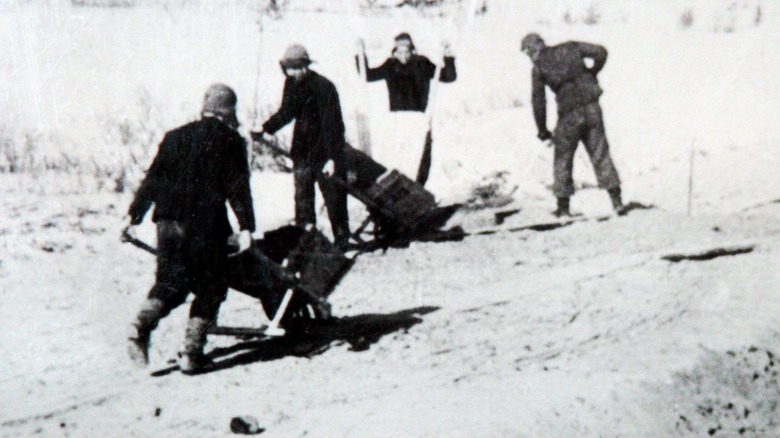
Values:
[(313, 102), (198, 167), (563, 69)]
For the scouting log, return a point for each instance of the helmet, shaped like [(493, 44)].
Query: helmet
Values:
[(220, 99)]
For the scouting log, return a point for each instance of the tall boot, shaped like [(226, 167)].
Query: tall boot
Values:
[(617, 201), (191, 359), (152, 310), (563, 207)]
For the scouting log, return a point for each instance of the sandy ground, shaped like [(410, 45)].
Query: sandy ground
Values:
[(581, 330)]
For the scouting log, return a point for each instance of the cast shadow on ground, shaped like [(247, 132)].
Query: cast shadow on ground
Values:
[(359, 332)]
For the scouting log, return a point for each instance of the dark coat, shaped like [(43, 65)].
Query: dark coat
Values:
[(313, 103), (408, 84), (198, 167), (562, 68)]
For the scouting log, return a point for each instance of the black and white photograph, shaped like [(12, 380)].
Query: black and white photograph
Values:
[(390, 218)]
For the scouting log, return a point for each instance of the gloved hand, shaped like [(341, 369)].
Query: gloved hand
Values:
[(239, 242), (544, 135), (328, 168)]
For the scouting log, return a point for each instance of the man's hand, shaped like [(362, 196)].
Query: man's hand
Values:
[(239, 242), (544, 135), (329, 168), (447, 49)]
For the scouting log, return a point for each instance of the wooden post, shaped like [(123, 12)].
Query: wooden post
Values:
[(690, 176)]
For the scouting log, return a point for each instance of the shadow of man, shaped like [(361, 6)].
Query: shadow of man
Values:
[(359, 332)]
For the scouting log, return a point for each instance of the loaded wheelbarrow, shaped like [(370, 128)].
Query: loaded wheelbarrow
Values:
[(399, 209), (292, 271)]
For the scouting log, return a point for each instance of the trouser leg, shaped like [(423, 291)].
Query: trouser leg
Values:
[(168, 292), (335, 196), (304, 194), (598, 149), (565, 140), (210, 289), (170, 286), (206, 303), (426, 160)]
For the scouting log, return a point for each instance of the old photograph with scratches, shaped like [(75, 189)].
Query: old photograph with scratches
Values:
[(389, 218)]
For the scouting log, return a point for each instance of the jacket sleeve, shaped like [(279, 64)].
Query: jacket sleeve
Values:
[(448, 73), (286, 112), (379, 73), (239, 194), (154, 181), (595, 52), (331, 121), (427, 68), (538, 100)]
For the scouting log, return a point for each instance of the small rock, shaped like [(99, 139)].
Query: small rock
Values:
[(245, 425), (157, 412)]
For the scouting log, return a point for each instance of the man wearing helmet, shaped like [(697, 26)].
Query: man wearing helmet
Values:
[(577, 92), (318, 141), (198, 167)]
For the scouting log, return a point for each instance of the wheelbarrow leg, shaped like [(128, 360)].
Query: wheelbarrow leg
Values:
[(273, 328)]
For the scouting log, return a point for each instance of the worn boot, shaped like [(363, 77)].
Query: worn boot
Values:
[(141, 330), (563, 207), (617, 201), (191, 359)]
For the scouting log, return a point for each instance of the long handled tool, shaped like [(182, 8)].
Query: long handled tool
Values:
[(361, 118), (426, 159)]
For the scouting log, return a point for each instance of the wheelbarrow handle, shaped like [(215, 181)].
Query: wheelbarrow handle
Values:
[(127, 238), (280, 272), (258, 138)]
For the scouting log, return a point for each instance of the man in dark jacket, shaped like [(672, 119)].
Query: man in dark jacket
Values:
[(577, 92), (198, 167), (318, 141), (408, 75)]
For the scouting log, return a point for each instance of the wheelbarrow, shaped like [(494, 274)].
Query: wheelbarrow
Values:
[(399, 209), (291, 270)]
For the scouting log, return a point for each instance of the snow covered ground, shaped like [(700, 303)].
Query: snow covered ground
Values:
[(577, 331)]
